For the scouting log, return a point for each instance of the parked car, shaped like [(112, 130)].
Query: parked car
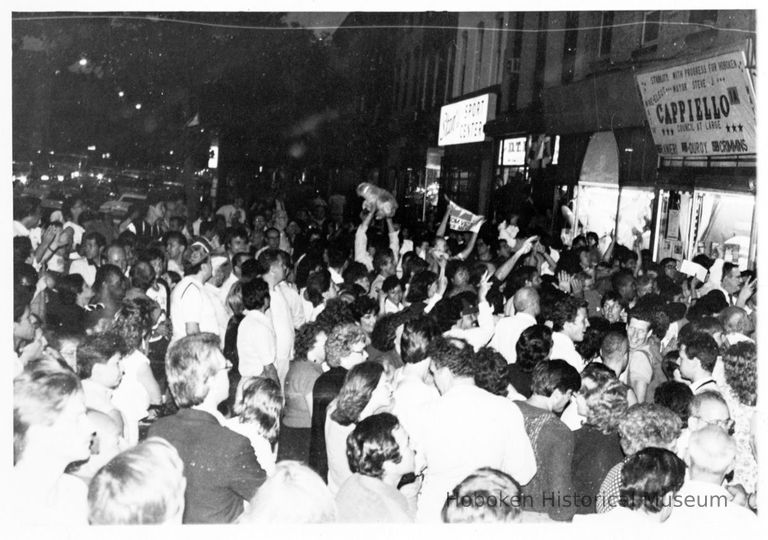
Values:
[(118, 208)]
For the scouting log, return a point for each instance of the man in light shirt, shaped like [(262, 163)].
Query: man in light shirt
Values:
[(256, 341), (465, 429), (275, 271), (508, 329), (568, 326), (711, 456)]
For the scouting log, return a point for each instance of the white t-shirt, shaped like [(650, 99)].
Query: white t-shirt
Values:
[(256, 343), (190, 304)]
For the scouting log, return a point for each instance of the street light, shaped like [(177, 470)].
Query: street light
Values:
[(83, 61), (120, 93), (138, 106)]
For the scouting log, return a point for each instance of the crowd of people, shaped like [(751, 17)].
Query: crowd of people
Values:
[(301, 363)]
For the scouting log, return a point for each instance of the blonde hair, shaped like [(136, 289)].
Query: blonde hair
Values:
[(259, 401), (293, 494), (143, 485)]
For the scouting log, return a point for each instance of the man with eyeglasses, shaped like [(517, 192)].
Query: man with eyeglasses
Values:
[(708, 408), (704, 496)]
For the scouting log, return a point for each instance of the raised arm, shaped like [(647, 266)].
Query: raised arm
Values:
[(394, 241), (361, 240), (503, 271), (443, 224)]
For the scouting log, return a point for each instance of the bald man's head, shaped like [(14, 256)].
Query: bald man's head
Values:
[(526, 299), (711, 452), (735, 319)]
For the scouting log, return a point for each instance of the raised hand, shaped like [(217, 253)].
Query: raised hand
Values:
[(564, 281)]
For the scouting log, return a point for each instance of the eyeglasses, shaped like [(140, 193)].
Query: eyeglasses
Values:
[(727, 425)]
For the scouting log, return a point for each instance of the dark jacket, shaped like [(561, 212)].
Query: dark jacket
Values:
[(220, 466), (325, 390)]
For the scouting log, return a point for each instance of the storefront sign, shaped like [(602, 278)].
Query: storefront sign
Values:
[(513, 151), (463, 122), (703, 108)]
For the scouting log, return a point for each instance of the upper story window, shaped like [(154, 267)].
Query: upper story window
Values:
[(651, 26)]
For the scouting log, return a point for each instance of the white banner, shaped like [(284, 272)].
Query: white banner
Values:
[(702, 108), (463, 122)]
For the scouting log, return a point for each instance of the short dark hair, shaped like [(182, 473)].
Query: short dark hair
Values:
[(385, 331), (421, 281), (267, 258), (454, 354), (354, 271), (554, 375), (255, 293), (703, 347), (647, 476), (564, 311), (97, 349), (676, 396), (336, 257), (372, 443), (727, 267), (533, 346), (175, 235), (417, 334), (491, 371), (68, 287), (390, 283)]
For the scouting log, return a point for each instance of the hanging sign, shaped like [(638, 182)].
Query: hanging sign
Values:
[(463, 122), (702, 108)]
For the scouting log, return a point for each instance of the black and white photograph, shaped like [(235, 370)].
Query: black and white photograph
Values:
[(438, 266)]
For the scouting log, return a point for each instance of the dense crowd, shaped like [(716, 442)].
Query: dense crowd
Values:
[(255, 365)]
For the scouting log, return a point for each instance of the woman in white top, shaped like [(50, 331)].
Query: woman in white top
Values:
[(138, 389), (258, 406), (320, 288), (367, 390), (192, 311)]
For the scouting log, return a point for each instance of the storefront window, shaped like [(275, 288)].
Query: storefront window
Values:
[(597, 208), (635, 211), (725, 220), (706, 222)]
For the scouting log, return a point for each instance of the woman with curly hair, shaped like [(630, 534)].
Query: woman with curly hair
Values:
[(258, 405), (602, 400), (740, 393), (138, 389), (367, 390), (304, 370), (643, 425)]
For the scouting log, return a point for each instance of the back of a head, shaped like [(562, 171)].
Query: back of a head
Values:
[(705, 403), (189, 365), (476, 499), (293, 494), (39, 396), (647, 425), (454, 354), (647, 477), (526, 299), (491, 371), (141, 486), (372, 443), (340, 341), (711, 451), (417, 334), (533, 346), (554, 375), (676, 396)]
